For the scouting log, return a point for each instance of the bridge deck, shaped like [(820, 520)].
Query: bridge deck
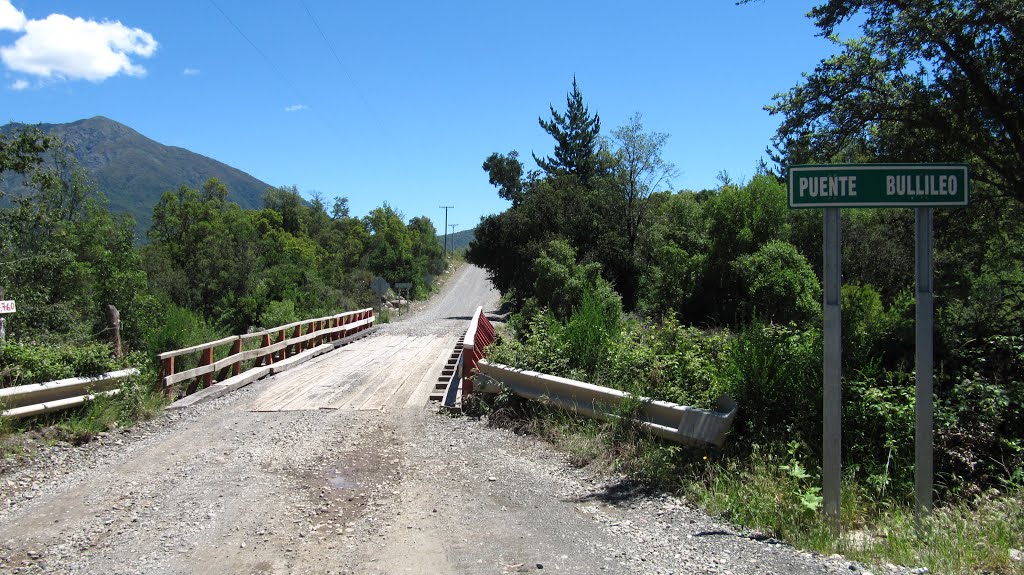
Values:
[(371, 374)]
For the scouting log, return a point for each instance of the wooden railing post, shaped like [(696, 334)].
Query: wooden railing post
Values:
[(236, 348), (296, 333), (269, 358), (207, 360), (167, 370)]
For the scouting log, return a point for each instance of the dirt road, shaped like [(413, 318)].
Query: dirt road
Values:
[(295, 474)]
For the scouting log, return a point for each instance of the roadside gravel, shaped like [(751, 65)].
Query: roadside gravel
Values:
[(217, 488)]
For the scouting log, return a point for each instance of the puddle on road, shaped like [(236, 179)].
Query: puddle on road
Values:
[(342, 483)]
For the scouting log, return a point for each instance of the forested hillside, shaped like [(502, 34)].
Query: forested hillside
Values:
[(458, 241), (132, 171)]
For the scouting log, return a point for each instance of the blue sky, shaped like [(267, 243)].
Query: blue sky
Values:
[(423, 92)]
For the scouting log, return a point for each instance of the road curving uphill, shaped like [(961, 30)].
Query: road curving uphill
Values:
[(299, 474)]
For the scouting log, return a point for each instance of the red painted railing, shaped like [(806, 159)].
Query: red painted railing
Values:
[(479, 335)]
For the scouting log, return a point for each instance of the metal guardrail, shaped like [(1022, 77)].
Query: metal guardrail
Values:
[(291, 339), (680, 423), (37, 398)]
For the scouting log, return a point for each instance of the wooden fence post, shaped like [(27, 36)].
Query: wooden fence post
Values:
[(207, 360), (167, 369), (115, 324), (236, 348), (269, 358)]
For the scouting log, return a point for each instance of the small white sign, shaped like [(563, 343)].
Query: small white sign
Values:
[(7, 306)]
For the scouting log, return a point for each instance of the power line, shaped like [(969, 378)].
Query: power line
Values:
[(255, 47), (277, 70), (344, 69)]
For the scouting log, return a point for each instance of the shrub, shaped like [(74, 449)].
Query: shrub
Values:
[(592, 328), (279, 313), (878, 429), (670, 362), (562, 283), (180, 328), (781, 285), (774, 373), (25, 363)]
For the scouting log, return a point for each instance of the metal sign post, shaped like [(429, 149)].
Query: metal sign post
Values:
[(832, 399), (923, 408), (922, 187)]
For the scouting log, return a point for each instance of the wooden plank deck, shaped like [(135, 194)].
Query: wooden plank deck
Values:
[(376, 373)]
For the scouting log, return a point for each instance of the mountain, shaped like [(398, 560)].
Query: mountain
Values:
[(133, 171), (459, 240)]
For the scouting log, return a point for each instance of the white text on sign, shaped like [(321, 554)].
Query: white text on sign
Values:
[(920, 185), (828, 186)]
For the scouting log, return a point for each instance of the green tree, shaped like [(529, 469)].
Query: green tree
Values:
[(21, 150), (287, 202), (505, 172), (64, 257), (639, 170), (676, 253), (427, 254), (740, 220), (929, 81), (578, 136), (389, 251), (562, 284)]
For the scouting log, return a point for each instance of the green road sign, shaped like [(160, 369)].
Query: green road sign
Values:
[(878, 186)]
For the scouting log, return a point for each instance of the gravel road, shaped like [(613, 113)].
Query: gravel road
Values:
[(218, 488)]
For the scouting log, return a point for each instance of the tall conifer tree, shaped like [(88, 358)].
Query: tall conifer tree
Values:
[(577, 134)]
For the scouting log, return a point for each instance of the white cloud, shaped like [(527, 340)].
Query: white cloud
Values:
[(59, 46), (296, 107), (10, 17), (190, 71), (20, 85)]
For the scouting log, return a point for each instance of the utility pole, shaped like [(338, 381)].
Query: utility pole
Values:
[(446, 208), (453, 226)]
